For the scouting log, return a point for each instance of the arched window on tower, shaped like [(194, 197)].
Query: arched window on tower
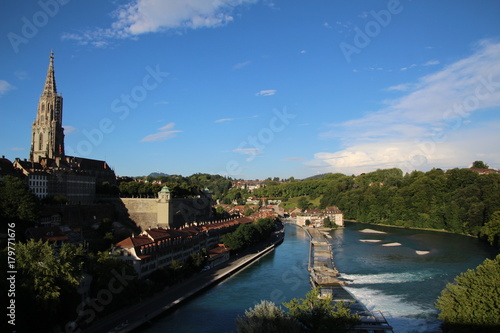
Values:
[(40, 142)]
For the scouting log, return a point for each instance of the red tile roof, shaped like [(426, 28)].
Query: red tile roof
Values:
[(135, 241), (154, 235)]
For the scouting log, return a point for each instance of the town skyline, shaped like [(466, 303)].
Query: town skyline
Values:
[(258, 89)]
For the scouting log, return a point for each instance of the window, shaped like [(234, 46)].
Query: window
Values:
[(40, 142)]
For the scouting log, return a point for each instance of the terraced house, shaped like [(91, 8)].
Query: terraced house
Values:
[(155, 248)]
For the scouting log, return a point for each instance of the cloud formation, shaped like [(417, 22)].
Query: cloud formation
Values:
[(434, 124), (5, 87), (248, 151), (241, 65), (266, 93), (224, 120), (148, 16), (166, 132), (68, 129)]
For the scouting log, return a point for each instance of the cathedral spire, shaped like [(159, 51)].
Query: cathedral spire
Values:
[(50, 82), (47, 140)]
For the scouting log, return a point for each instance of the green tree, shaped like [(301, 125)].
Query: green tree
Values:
[(480, 165), (491, 230), (46, 284), (266, 317), (17, 203), (471, 303), (327, 223), (321, 314), (303, 203)]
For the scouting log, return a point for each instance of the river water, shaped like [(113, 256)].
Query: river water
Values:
[(400, 272)]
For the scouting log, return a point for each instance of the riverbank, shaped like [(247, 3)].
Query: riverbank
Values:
[(132, 318), (412, 228)]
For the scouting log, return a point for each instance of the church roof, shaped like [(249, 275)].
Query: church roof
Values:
[(165, 189)]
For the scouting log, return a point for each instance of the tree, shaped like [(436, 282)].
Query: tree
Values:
[(321, 314), (471, 303), (266, 317), (17, 203), (491, 230), (46, 284), (303, 203), (480, 165)]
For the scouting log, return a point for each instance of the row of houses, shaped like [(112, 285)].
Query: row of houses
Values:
[(155, 248)]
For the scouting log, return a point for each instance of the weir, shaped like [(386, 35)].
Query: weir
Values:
[(323, 274)]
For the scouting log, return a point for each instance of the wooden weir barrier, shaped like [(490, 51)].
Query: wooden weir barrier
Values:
[(323, 274)]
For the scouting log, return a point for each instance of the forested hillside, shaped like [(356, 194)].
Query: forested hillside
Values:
[(457, 200)]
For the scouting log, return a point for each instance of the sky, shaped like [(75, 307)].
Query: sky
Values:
[(258, 88)]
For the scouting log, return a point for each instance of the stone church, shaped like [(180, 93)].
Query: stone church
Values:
[(49, 170)]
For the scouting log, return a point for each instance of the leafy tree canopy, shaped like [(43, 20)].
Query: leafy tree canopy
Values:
[(491, 230), (480, 165), (321, 314), (311, 314), (471, 303), (17, 203), (266, 317)]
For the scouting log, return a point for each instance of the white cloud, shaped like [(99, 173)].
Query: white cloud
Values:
[(400, 87), (69, 129), (433, 124), (409, 67), (431, 63), (266, 93), (21, 75), (145, 16), (166, 132), (294, 159), (224, 120), (241, 65), (248, 151), (167, 127), (5, 87)]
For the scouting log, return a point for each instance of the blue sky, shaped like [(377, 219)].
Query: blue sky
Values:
[(255, 89)]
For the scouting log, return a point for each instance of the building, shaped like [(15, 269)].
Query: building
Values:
[(316, 217), (7, 169), (47, 138), (155, 248), (49, 172), (335, 215)]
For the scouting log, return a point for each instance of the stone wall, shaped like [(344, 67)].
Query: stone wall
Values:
[(144, 212)]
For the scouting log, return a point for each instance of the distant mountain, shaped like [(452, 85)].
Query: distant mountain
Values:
[(158, 174)]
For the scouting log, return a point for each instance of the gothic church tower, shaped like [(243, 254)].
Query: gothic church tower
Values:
[(47, 138)]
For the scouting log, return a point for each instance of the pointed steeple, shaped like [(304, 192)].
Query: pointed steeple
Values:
[(49, 88), (47, 140)]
